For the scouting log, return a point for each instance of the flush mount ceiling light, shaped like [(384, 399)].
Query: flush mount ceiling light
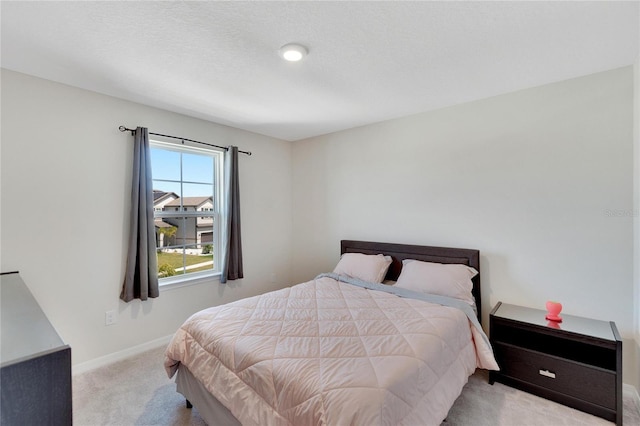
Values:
[(293, 52)]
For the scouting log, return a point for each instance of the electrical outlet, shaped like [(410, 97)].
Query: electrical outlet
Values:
[(110, 317)]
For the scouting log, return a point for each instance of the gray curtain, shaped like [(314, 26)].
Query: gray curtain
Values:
[(141, 276), (232, 254)]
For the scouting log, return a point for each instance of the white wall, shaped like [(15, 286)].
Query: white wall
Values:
[(62, 152), (540, 181)]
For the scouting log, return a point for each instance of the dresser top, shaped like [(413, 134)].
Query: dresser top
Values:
[(572, 324), (25, 330)]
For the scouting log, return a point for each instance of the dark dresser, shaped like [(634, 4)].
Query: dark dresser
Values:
[(35, 364), (576, 362)]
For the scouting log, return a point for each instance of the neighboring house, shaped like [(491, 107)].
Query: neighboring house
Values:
[(190, 230), (161, 198), (163, 239)]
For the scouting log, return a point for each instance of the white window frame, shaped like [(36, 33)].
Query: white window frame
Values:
[(216, 213)]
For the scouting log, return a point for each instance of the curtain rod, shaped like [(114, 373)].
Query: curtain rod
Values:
[(133, 132)]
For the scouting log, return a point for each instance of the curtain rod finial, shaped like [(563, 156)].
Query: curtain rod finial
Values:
[(124, 129)]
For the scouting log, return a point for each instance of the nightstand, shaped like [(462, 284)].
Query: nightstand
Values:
[(577, 362)]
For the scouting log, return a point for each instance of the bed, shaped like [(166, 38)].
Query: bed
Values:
[(343, 348)]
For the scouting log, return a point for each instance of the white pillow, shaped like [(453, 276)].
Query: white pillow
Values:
[(452, 280), (366, 267)]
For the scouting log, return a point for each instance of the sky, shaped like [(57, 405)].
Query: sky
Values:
[(197, 170)]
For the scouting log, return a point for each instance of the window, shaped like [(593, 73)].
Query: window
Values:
[(187, 190)]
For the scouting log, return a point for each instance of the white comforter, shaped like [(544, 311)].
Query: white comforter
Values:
[(329, 353)]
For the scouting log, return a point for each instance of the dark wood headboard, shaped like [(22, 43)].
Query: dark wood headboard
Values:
[(399, 252)]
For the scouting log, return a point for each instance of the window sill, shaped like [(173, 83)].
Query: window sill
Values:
[(177, 282)]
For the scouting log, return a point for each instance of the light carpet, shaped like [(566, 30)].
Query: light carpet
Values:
[(136, 391)]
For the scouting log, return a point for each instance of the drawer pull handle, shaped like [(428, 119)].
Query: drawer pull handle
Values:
[(547, 373)]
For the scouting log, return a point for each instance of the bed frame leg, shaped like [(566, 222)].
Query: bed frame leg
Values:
[(189, 404)]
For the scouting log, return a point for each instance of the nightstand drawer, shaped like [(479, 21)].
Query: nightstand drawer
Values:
[(581, 381)]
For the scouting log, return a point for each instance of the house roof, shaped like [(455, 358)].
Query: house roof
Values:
[(189, 201), (159, 223), (159, 195)]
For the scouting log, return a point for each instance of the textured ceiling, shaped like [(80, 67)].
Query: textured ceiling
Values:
[(368, 61)]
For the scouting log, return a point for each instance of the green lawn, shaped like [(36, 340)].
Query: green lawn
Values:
[(175, 259)]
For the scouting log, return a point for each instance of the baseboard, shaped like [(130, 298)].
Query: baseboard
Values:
[(629, 391), (119, 356)]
